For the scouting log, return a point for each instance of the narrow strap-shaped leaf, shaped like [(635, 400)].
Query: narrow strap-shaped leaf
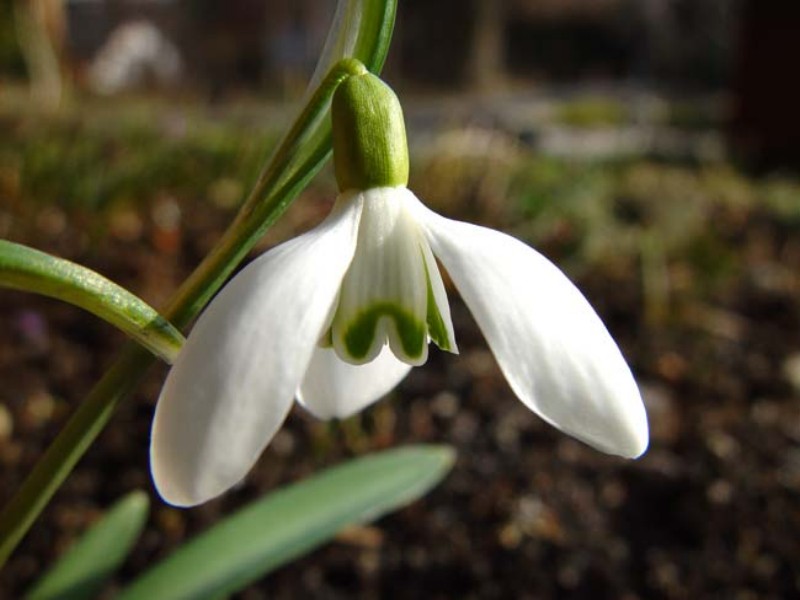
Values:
[(31, 270), (291, 522), (97, 554)]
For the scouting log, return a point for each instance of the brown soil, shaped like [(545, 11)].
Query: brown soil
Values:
[(710, 511)]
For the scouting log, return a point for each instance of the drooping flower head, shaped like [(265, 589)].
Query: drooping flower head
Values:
[(337, 317)]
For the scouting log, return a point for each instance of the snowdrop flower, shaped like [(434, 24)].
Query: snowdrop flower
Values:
[(338, 316)]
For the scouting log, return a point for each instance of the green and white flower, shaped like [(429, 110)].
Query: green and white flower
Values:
[(337, 317)]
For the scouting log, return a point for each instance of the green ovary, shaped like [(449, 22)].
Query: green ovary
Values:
[(359, 336)]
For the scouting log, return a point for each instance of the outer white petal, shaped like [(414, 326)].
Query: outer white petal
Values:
[(552, 347), (333, 388), (236, 376)]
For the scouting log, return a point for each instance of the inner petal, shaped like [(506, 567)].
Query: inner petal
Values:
[(440, 325), (384, 295)]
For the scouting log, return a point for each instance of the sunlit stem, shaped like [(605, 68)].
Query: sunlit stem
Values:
[(278, 185)]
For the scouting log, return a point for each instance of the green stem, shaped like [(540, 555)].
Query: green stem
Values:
[(271, 195), (262, 207)]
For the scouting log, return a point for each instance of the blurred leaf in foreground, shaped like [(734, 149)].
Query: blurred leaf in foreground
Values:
[(86, 566), (293, 521)]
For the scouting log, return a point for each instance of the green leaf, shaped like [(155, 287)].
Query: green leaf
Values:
[(31, 270), (291, 522), (85, 567)]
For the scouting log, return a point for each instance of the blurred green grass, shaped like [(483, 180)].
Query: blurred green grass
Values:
[(91, 157), (693, 266), (619, 214)]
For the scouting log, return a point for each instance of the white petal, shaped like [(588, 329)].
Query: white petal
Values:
[(236, 376), (333, 388), (552, 347), (438, 314), (384, 295)]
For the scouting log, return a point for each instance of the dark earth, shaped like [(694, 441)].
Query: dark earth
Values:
[(711, 511)]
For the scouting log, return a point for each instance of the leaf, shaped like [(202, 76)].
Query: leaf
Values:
[(31, 270), (292, 521), (85, 567)]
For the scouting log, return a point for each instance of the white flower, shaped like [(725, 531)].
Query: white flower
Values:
[(337, 316)]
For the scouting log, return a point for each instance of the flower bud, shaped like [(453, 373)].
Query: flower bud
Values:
[(369, 135)]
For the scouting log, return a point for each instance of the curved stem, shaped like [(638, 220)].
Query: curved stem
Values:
[(267, 201), (271, 195)]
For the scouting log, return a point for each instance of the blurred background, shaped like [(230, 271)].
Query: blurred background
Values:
[(651, 148)]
